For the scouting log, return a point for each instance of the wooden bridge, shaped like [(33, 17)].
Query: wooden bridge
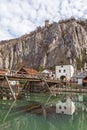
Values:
[(28, 80)]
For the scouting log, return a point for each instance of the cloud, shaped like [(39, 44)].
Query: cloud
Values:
[(19, 17)]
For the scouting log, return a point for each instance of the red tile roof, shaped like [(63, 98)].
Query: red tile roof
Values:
[(27, 71)]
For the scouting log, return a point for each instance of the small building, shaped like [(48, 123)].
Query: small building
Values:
[(4, 72), (27, 71), (48, 73), (77, 79), (80, 78), (64, 72), (47, 23), (14, 83)]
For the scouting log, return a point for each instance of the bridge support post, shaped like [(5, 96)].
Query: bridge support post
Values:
[(14, 97)]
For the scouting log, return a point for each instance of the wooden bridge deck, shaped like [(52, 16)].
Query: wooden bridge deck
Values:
[(28, 78), (35, 79)]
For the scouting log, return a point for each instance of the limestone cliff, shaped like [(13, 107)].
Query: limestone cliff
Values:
[(62, 42)]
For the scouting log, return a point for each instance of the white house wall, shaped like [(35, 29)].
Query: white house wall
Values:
[(69, 70), (80, 81)]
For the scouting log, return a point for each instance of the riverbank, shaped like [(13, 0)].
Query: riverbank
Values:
[(78, 90)]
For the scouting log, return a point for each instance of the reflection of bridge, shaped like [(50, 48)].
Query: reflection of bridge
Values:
[(81, 105), (14, 108), (17, 108)]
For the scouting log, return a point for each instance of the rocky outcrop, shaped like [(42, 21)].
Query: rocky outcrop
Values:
[(63, 42)]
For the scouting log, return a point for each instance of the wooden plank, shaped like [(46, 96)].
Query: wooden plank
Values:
[(31, 79), (10, 88)]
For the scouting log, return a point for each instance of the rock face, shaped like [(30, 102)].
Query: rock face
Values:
[(63, 42)]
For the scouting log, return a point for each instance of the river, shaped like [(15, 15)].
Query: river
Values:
[(38, 112)]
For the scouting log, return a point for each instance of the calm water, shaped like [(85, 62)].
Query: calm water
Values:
[(17, 115)]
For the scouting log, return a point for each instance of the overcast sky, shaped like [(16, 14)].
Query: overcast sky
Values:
[(19, 17)]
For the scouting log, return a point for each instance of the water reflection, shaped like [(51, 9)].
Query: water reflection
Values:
[(67, 107), (18, 115)]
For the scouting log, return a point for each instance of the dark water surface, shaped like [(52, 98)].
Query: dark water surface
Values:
[(29, 114)]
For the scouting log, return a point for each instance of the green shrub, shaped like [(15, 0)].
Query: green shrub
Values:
[(79, 64)]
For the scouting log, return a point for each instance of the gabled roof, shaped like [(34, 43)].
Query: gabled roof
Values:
[(47, 71), (27, 71)]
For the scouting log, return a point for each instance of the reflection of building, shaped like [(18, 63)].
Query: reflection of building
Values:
[(64, 71), (67, 107)]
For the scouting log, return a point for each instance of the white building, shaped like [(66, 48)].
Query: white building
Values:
[(48, 73), (64, 71)]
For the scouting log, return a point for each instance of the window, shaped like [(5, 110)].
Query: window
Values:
[(64, 70), (59, 71), (60, 107), (65, 107)]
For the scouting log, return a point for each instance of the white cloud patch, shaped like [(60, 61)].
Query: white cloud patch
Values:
[(18, 17)]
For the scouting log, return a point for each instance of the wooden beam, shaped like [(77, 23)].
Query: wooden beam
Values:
[(10, 88), (47, 85)]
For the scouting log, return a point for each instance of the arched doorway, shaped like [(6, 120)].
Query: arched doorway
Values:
[(63, 79), (85, 81)]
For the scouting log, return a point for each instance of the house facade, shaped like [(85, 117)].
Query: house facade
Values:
[(64, 72), (80, 78)]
